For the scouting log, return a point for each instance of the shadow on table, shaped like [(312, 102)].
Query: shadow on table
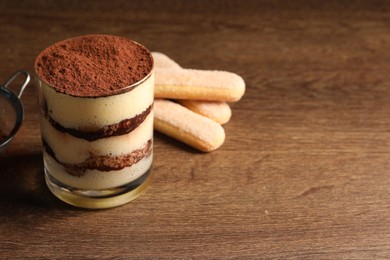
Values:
[(22, 185)]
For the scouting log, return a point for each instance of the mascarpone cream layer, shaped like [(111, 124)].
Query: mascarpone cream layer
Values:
[(72, 150), (83, 112)]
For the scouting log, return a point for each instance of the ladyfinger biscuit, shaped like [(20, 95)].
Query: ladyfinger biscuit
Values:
[(198, 84), (220, 112), (184, 125), (163, 61)]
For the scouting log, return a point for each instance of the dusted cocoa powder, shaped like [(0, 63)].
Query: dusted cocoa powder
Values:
[(93, 65)]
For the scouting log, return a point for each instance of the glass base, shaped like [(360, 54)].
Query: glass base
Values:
[(99, 199)]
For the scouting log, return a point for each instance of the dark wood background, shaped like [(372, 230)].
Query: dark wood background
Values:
[(303, 174)]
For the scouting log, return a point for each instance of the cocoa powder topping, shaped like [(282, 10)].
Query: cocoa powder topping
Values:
[(93, 65)]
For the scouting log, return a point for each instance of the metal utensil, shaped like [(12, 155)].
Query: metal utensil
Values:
[(11, 109)]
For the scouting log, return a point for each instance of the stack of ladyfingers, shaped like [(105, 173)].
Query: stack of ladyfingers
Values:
[(191, 105)]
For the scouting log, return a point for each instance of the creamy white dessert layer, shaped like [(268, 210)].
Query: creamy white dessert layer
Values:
[(89, 113), (69, 149), (95, 179)]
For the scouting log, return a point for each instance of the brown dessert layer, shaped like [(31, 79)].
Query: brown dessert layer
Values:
[(94, 65), (103, 163), (123, 127)]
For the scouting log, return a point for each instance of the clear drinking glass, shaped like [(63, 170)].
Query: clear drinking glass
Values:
[(97, 151)]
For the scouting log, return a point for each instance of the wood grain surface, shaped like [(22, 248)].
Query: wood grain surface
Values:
[(304, 171)]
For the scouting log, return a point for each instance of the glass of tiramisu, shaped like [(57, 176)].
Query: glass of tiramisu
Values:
[(96, 98)]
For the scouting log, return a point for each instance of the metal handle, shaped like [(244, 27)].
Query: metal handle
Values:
[(13, 77)]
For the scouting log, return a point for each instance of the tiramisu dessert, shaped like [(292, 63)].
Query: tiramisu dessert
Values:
[(96, 99)]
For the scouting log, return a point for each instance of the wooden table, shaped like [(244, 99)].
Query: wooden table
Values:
[(305, 169)]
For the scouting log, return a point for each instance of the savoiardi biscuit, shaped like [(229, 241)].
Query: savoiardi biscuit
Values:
[(163, 61), (208, 85), (186, 126), (220, 112)]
